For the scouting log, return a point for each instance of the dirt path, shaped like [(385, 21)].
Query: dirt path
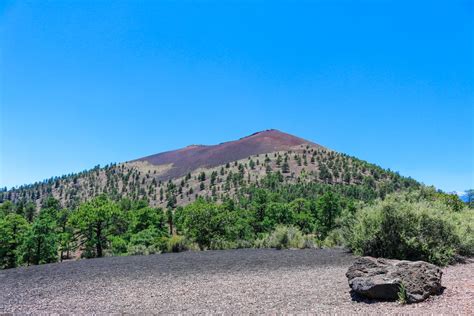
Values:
[(235, 281)]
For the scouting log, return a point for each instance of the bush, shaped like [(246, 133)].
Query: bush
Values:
[(221, 244), (464, 228), (309, 241), (284, 237), (333, 239), (145, 237), (153, 249), (137, 250), (261, 241), (414, 230), (177, 244), (118, 246)]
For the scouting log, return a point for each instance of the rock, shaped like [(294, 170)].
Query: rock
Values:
[(381, 279)]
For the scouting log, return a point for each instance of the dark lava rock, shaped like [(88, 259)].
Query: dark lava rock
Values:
[(381, 279)]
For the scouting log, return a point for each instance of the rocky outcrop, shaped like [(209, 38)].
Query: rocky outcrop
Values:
[(381, 279)]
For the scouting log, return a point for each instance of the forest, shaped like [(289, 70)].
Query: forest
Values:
[(414, 222)]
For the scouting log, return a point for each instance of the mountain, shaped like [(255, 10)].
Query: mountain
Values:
[(220, 171), (192, 157)]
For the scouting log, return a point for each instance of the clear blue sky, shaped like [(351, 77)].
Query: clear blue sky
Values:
[(93, 82)]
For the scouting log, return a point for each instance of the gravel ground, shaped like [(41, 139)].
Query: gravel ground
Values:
[(249, 281)]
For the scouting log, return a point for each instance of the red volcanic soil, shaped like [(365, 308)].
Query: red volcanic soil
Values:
[(196, 156)]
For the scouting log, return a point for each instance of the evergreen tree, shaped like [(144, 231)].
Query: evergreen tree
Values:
[(329, 208), (40, 244), (13, 228), (29, 211), (94, 221), (278, 161), (252, 164), (213, 177)]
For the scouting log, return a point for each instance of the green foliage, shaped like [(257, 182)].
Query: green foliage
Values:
[(415, 230), (94, 221), (206, 223), (402, 294), (118, 246), (463, 223), (177, 244), (470, 198), (6, 208), (145, 218), (146, 237), (40, 243), (276, 213), (13, 228), (29, 211), (329, 208), (284, 237), (332, 205), (137, 250)]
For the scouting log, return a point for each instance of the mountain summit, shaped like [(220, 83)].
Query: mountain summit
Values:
[(192, 157)]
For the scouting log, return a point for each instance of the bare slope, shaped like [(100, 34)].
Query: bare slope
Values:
[(190, 158)]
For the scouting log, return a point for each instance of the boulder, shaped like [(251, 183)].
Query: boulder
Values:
[(381, 279)]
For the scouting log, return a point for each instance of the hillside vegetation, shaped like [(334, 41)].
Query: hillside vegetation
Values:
[(273, 214), (140, 180), (302, 196)]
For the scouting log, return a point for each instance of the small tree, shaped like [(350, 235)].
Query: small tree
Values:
[(213, 177), (328, 207), (252, 164), (29, 211)]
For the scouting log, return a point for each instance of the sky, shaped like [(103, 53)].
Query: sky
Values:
[(92, 82)]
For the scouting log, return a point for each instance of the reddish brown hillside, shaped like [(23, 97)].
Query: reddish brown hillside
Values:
[(193, 157)]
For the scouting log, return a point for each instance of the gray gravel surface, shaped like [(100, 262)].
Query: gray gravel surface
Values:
[(246, 281)]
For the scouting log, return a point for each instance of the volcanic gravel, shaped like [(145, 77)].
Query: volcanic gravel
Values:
[(246, 281)]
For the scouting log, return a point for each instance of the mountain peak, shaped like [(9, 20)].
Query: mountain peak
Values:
[(201, 156)]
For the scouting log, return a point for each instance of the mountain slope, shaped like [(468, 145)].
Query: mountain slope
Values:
[(219, 171), (190, 158)]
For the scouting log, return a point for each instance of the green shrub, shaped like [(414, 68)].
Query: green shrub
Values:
[(402, 294), (261, 241), (153, 249), (118, 246), (137, 250), (333, 239), (309, 241), (145, 237), (464, 227), (415, 230), (177, 244), (284, 237), (221, 244)]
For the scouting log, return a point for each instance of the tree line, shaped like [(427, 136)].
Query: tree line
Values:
[(256, 216)]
